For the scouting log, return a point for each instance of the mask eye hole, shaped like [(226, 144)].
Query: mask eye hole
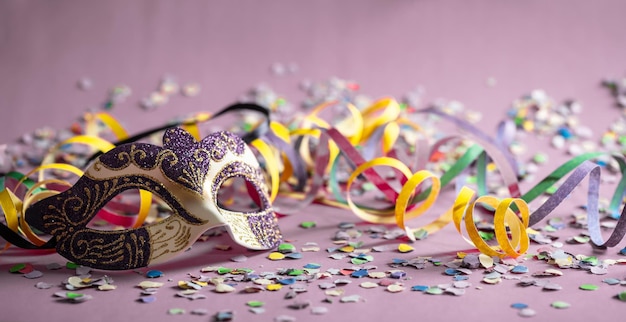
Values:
[(239, 195), (122, 211)]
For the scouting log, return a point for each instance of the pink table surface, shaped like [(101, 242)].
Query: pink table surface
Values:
[(388, 47)]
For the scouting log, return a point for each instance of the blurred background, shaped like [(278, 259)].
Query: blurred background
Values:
[(59, 59)]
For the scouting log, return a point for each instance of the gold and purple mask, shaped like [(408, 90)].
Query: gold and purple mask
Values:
[(185, 174)]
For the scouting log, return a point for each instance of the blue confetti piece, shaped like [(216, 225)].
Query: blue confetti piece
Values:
[(519, 269), (224, 316), (287, 281), (420, 288), (398, 261), (461, 277), (154, 274), (312, 266), (451, 271), (397, 274), (147, 299), (519, 306), (360, 273), (294, 256)]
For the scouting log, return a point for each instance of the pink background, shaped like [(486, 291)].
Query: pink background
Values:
[(389, 47), (450, 47)]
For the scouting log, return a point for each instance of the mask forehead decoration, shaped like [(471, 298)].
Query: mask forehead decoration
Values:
[(185, 174)]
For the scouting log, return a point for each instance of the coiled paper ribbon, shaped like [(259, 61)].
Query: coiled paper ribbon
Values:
[(315, 147)]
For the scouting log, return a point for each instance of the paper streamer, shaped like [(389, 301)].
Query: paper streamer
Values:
[(303, 166)]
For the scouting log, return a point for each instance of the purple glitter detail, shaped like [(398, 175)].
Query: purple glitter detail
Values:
[(265, 228), (193, 158), (67, 214), (144, 155), (264, 225)]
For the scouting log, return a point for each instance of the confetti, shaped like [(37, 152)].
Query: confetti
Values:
[(527, 312), (350, 299), (153, 274), (307, 224), (560, 305), (319, 310), (43, 285), (404, 248), (588, 287), (33, 274), (395, 288)]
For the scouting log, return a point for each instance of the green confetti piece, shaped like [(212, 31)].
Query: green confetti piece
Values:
[(368, 186), (420, 234), (295, 272), (560, 305), (286, 248), (73, 295), (592, 260), (486, 235), (224, 270), (540, 158), (434, 291), (551, 190), (17, 267), (308, 224), (176, 311), (622, 296), (471, 179), (358, 261), (582, 239), (71, 265), (255, 303), (589, 287)]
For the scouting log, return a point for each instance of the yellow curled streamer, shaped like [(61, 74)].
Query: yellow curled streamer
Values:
[(390, 136), (390, 112), (282, 133), (11, 205), (463, 211), (145, 200), (379, 218), (271, 163), (353, 124), (191, 125), (407, 192), (115, 126), (89, 140)]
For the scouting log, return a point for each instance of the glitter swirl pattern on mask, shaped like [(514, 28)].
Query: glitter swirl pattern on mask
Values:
[(66, 215), (181, 159), (254, 229)]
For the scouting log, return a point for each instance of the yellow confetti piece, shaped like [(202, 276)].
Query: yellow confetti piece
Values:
[(262, 281), (395, 288), (184, 285), (405, 248), (276, 256), (107, 287), (485, 261), (150, 284), (346, 249), (368, 285), (273, 287), (377, 274), (224, 288), (334, 292)]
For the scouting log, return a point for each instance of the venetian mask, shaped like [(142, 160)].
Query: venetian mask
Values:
[(185, 174)]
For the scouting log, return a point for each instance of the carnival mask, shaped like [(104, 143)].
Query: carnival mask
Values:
[(185, 174)]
